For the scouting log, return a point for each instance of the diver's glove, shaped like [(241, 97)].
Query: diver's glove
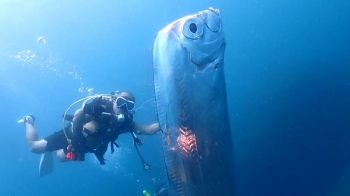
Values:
[(94, 110)]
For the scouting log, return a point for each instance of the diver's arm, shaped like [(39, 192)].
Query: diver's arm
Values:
[(80, 118), (150, 129)]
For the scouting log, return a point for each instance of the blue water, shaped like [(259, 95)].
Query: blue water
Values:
[(287, 70)]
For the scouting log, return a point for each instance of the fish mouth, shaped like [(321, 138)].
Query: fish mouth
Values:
[(212, 19)]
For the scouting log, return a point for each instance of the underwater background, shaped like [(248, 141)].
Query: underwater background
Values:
[(287, 68)]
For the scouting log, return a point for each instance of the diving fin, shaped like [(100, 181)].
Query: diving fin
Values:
[(46, 164)]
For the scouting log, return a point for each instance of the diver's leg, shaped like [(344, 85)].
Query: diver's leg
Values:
[(46, 161), (35, 145), (61, 156), (38, 147)]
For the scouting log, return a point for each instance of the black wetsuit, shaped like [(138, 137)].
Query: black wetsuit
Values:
[(80, 143), (58, 140)]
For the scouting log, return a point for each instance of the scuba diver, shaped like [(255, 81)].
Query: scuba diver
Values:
[(91, 129)]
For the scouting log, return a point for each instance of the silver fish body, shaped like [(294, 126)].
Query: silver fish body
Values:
[(191, 101)]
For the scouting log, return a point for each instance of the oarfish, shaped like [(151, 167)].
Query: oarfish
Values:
[(192, 109)]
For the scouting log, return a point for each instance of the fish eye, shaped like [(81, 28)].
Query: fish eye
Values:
[(192, 28)]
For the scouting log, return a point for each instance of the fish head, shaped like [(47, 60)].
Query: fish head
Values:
[(202, 36)]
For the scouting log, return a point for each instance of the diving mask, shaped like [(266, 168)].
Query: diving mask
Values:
[(122, 102)]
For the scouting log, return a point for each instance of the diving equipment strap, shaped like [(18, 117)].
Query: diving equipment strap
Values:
[(85, 99), (137, 142)]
